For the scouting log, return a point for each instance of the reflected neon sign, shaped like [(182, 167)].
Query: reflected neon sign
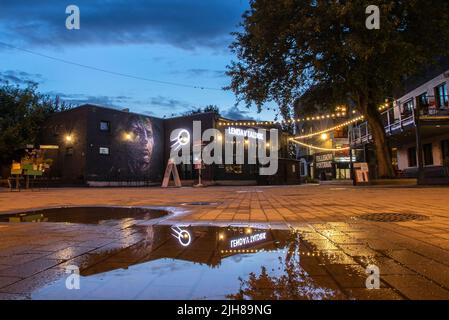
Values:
[(242, 241), (182, 235)]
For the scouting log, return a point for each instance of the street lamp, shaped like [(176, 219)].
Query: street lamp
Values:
[(324, 136), (68, 138)]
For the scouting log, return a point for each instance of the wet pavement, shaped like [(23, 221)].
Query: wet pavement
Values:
[(85, 215), (181, 255)]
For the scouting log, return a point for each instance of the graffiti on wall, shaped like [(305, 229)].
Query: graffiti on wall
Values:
[(141, 150)]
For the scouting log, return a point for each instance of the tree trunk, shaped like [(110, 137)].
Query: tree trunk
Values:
[(377, 130)]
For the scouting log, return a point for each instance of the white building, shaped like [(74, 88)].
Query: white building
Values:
[(431, 96)]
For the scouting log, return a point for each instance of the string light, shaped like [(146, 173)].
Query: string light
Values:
[(342, 125), (340, 114), (319, 148)]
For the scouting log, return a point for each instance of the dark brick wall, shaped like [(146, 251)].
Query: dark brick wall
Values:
[(140, 157), (135, 159), (70, 166)]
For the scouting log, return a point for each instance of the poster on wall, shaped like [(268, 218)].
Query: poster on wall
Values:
[(361, 172)]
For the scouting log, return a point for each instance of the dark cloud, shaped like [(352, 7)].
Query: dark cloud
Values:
[(148, 106), (235, 113), (79, 99), (168, 104), (186, 24), (20, 77)]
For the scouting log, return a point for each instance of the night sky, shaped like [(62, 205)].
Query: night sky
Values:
[(179, 41)]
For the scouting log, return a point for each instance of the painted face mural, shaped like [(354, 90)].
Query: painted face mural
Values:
[(141, 151)]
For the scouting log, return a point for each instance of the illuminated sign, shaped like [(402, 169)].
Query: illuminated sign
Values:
[(181, 139), (239, 242), (324, 157), (182, 235), (324, 161), (244, 133), (46, 147)]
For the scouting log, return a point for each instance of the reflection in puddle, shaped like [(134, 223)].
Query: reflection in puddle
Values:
[(182, 262), (85, 215)]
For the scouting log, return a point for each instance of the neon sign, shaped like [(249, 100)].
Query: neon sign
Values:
[(181, 139), (244, 133), (239, 242)]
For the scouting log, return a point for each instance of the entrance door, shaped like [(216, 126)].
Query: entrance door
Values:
[(445, 149)]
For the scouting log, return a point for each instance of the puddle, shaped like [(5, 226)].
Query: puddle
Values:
[(184, 262), (197, 203), (85, 215)]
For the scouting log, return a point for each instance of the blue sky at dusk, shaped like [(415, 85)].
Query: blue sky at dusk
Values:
[(181, 41)]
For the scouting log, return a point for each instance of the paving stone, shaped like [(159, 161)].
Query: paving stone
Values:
[(416, 260), (416, 287)]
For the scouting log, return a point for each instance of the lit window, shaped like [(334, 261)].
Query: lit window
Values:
[(104, 150), (441, 96), (105, 126)]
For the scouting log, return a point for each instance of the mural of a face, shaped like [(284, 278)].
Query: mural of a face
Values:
[(141, 151)]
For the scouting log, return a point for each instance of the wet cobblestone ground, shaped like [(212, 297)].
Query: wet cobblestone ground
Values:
[(413, 256)]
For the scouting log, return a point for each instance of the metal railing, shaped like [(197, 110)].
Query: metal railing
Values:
[(398, 118)]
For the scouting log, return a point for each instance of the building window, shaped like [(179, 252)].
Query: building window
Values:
[(69, 151), (407, 108), (341, 133), (411, 155), (445, 149), (105, 126), (441, 96), (234, 169), (428, 155), (104, 151), (423, 101)]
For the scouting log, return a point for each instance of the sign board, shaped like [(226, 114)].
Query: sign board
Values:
[(245, 133), (48, 147), (171, 168), (324, 161), (361, 172)]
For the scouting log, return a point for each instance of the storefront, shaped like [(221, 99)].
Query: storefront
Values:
[(332, 166), (103, 146)]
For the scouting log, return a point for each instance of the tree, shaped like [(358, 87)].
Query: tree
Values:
[(208, 108), (286, 47), (22, 112)]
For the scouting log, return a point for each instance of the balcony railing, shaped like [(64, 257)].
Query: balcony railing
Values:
[(398, 118)]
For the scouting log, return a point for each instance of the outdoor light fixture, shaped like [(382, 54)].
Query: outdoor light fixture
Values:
[(324, 136), (128, 136), (68, 138)]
